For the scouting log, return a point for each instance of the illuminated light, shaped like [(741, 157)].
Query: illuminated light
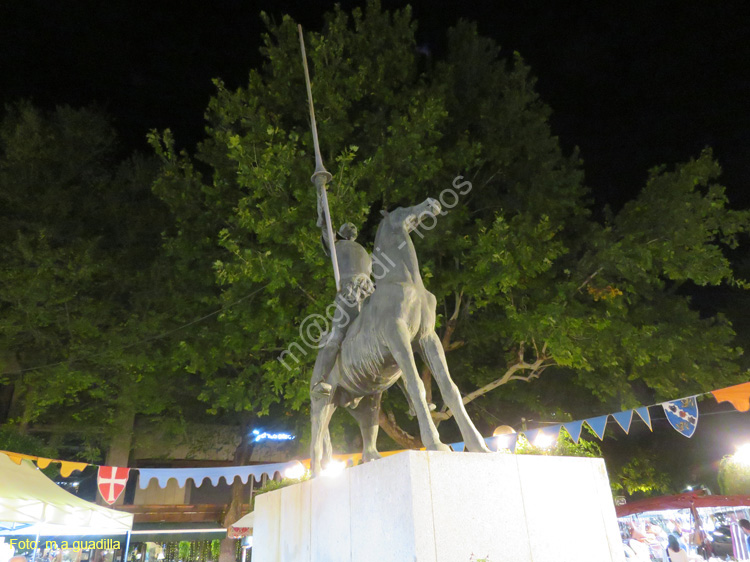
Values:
[(742, 455), (690, 488), (544, 440), (295, 472), (271, 436), (503, 430), (333, 469)]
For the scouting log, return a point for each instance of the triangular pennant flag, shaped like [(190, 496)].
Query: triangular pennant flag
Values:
[(682, 415), (644, 415), (111, 481), (507, 442), (459, 447), (548, 436), (624, 419), (598, 424), (574, 429), (531, 435), (737, 395)]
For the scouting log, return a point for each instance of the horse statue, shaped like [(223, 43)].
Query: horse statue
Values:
[(397, 319)]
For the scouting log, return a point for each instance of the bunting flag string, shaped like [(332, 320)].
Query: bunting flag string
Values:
[(214, 474), (682, 414), (66, 467)]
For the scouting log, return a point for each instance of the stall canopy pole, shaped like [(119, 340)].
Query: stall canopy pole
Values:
[(36, 545), (127, 546)]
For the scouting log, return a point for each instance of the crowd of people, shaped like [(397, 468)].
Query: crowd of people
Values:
[(649, 541), (673, 540)]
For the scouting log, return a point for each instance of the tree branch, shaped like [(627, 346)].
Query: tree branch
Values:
[(513, 373), (589, 278), (387, 421)]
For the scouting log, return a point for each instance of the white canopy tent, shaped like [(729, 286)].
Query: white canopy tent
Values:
[(242, 527), (34, 504)]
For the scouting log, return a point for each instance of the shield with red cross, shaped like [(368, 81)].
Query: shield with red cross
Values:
[(111, 482)]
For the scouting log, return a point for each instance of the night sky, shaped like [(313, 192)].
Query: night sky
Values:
[(633, 84)]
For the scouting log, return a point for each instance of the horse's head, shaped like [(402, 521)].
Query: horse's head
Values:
[(411, 218)]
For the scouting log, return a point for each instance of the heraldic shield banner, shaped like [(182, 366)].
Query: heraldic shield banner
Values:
[(111, 481), (683, 415)]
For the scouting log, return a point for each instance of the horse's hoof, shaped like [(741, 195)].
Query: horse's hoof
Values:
[(440, 447), (373, 456), (480, 448)]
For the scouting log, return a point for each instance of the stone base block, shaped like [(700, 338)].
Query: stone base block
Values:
[(420, 506)]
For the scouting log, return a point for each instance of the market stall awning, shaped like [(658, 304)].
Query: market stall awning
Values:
[(242, 527), (173, 532), (681, 501), (28, 497)]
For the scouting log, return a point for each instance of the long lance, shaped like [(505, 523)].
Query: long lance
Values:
[(321, 175)]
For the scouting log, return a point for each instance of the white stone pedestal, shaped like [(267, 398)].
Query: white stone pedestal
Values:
[(421, 506)]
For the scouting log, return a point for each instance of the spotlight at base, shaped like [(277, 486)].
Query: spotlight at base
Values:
[(333, 469), (295, 472)]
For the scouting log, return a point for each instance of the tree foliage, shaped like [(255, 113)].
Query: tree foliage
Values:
[(79, 285), (734, 476), (529, 285)]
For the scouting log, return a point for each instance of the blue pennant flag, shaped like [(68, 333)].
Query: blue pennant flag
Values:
[(458, 447), (574, 429), (624, 419), (645, 416), (531, 435), (598, 424), (552, 431), (507, 442), (682, 415)]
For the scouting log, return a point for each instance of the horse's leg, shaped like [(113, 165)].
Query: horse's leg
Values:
[(327, 448), (321, 410), (366, 414), (399, 344), (412, 412), (432, 352)]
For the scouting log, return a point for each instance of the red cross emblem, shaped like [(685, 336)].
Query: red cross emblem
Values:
[(111, 482)]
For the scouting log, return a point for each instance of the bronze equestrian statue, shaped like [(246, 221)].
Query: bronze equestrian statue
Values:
[(378, 349)]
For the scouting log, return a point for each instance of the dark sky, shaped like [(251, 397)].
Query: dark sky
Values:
[(633, 84)]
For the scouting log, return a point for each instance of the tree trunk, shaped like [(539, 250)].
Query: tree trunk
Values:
[(118, 453), (234, 510), (10, 391)]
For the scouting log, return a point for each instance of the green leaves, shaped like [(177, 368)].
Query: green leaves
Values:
[(533, 280)]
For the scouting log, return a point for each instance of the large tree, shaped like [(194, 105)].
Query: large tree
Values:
[(81, 293), (530, 284)]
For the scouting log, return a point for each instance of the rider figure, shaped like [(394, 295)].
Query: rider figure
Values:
[(355, 268)]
